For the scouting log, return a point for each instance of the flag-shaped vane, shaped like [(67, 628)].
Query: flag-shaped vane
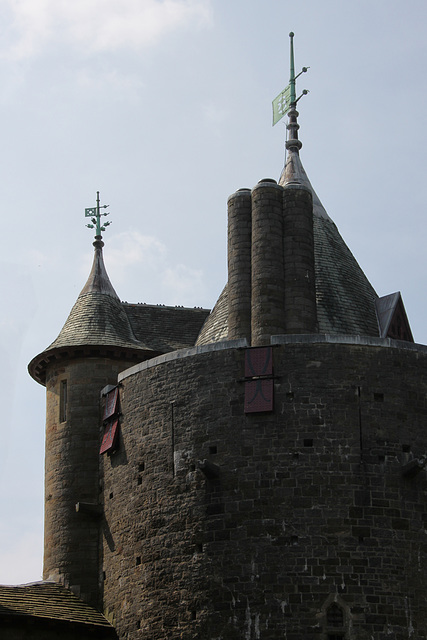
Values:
[(281, 104), (95, 214)]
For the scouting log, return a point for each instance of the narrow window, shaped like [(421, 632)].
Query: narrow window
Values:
[(63, 401), (335, 623), (335, 616)]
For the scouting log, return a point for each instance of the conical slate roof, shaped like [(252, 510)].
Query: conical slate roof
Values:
[(98, 319), (98, 316), (345, 298)]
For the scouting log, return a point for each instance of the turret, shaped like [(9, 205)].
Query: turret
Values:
[(94, 345)]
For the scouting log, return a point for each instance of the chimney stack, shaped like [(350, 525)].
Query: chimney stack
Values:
[(271, 277)]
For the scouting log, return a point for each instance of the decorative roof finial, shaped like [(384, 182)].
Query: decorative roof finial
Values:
[(286, 102), (292, 72), (96, 220)]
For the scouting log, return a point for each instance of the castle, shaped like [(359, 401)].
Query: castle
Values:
[(252, 472)]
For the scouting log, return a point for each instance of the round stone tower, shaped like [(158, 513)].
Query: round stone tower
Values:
[(95, 344), (304, 521)]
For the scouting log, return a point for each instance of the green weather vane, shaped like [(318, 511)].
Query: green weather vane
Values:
[(287, 98), (96, 220)]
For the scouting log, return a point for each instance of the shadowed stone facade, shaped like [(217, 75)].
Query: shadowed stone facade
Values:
[(313, 503)]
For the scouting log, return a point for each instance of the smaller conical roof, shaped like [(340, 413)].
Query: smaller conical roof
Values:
[(97, 319), (98, 280)]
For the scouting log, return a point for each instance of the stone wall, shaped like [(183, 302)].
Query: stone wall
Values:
[(71, 543), (314, 525)]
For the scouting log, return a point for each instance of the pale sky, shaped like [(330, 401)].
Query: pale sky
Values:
[(165, 108)]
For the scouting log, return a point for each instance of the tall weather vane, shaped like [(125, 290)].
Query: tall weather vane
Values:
[(287, 98), (96, 219)]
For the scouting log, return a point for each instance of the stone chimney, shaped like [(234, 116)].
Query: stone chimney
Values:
[(271, 280)]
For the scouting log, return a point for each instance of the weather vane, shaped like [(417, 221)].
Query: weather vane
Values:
[(96, 220), (287, 98)]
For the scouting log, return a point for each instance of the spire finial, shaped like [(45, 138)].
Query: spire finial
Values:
[(287, 100), (292, 95), (96, 219), (293, 125)]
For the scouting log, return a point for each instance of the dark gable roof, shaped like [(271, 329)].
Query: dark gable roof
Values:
[(165, 329), (50, 601), (392, 318)]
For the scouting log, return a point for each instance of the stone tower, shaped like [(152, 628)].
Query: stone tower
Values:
[(95, 344), (268, 479)]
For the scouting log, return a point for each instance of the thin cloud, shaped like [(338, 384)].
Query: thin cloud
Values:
[(128, 249), (140, 265), (96, 25), (184, 284)]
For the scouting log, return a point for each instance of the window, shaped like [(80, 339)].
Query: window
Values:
[(63, 401), (335, 622), (334, 616)]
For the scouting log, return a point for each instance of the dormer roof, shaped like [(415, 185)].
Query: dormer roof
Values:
[(392, 319)]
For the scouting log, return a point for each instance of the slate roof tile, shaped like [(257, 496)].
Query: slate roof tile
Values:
[(164, 328), (51, 601)]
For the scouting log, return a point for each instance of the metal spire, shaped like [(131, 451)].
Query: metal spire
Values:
[(96, 220), (287, 98), (293, 125), (292, 96)]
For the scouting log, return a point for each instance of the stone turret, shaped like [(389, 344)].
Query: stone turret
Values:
[(95, 344)]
